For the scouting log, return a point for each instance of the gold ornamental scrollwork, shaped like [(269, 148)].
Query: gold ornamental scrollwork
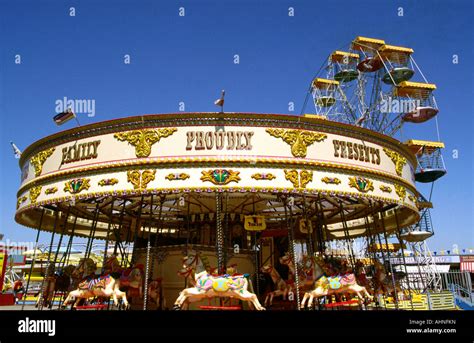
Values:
[(34, 193), (299, 140), (177, 176), (108, 182), (38, 160), (401, 191), (20, 201), (397, 159), (299, 180), (361, 184), (385, 189), (140, 179), (77, 185), (220, 176), (293, 177), (144, 139), (331, 180), (263, 176), (51, 190)]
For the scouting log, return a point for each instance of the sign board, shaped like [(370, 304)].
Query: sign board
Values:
[(254, 223), (435, 259), (305, 226)]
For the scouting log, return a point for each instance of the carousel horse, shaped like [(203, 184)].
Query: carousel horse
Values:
[(85, 268), (54, 282), (88, 285), (193, 262), (383, 283), (335, 284), (103, 286), (154, 292), (208, 286), (190, 264), (286, 260), (112, 265), (307, 273), (132, 281), (361, 276), (282, 288)]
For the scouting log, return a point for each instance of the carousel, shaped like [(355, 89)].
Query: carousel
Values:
[(226, 211)]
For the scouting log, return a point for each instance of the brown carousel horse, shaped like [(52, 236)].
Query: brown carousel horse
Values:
[(282, 287), (155, 293), (334, 284), (86, 267), (383, 283), (54, 283)]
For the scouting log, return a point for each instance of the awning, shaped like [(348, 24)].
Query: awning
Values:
[(467, 266)]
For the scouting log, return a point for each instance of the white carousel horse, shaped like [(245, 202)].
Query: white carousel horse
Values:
[(282, 288), (209, 286), (103, 286), (338, 284)]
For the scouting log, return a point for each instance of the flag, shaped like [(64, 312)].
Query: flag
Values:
[(63, 117), (16, 151), (220, 101)]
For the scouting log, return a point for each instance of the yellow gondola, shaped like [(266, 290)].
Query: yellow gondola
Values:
[(416, 90)]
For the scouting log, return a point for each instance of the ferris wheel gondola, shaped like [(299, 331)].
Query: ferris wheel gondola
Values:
[(345, 66), (396, 59), (430, 161)]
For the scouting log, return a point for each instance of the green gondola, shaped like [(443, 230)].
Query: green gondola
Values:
[(398, 75), (429, 175), (346, 75)]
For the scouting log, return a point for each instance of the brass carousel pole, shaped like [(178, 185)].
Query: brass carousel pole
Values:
[(67, 255), (48, 265), (403, 257), (147, 263), (291, 237), (395, 298), (108, 233), (136, 232), (350, 251), (155, 246), (90, 239), (219, 235), (57, 252), (118, 238), (33, 260), (309, 243)]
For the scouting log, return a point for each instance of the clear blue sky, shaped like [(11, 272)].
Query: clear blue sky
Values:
[(190, 59)]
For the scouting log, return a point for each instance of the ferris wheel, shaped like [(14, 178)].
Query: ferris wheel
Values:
[(371, 85)]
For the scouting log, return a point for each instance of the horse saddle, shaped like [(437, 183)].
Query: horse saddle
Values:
[(90, 284)]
